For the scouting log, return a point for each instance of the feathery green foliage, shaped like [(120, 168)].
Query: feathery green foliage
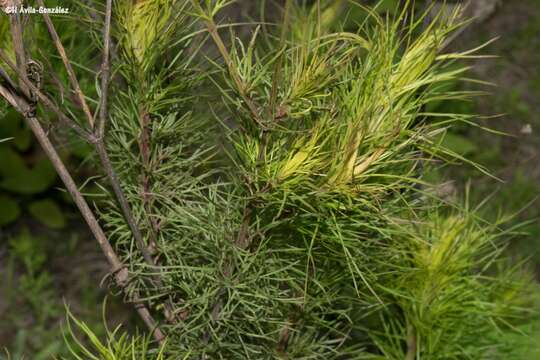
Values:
[(277, 180), (117, 346), (290, 223)]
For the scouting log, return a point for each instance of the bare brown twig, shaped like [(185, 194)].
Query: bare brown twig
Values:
[(100, 143), (67, 121), (105, 71), (97, 140), (18, 45), (144, 148), (119, 270), (8, 95), (100, 146), (67, 65), (106, 163), (28, 109), (123, 202)]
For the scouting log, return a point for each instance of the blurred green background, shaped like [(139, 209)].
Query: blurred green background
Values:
[(48, 259)]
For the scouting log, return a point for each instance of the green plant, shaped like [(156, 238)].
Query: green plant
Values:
[(39, 274), (30, 203), (284, 214), (27, 178), (117, 346), (23, 175), (34, 296)]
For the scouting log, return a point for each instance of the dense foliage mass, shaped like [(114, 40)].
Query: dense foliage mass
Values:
[(277, 180)]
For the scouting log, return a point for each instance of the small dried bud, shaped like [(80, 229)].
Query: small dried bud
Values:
[(527, 129), (282, 112)]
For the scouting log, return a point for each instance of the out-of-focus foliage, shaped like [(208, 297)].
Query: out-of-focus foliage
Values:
[(30, 288), (22, 175), (39, 240), (27, 179)]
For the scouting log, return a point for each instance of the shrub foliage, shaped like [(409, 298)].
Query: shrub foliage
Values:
[(277, 181)]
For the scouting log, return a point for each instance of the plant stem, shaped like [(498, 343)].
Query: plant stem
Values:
[(123, 202), (144, 147), (277, 69), (233, 71), (28, 108), (100, 142), (71, 73), (105, 71), (100, 148), (130, 219), (25, 83), (7, 94), (97, 138), (120, 272), (18, 44), (411, 343)]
